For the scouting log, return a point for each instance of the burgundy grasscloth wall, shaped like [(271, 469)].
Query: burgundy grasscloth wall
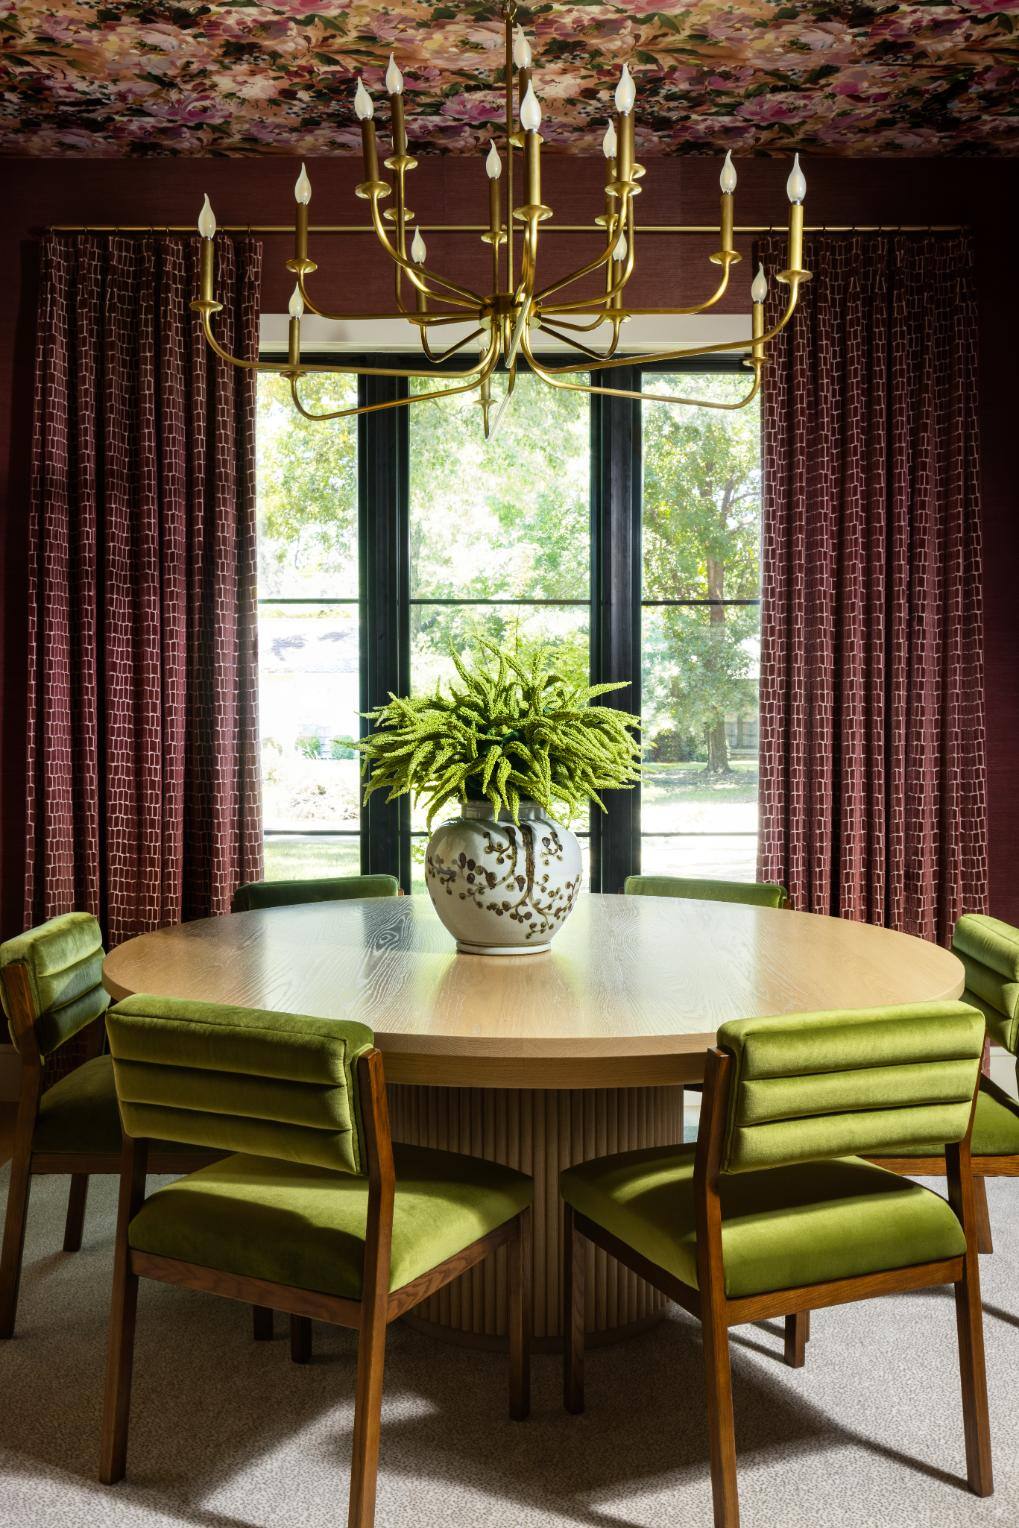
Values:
[(873, 785), (983, 194), (142, 793)]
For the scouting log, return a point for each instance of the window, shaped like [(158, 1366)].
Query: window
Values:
[(700, 632), (308, 631), (625, 535), (500, 535)]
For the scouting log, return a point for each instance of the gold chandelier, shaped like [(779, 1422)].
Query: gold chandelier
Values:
[(504, 320)]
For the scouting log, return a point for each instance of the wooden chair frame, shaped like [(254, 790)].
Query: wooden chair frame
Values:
[(369, 1317), (717, 1312), (27, 1163)]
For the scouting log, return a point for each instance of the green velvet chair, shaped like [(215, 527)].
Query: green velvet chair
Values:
[(314, 1212), (774, 1211), (752, 893), (989, 951), (52, 992), (336, 888)]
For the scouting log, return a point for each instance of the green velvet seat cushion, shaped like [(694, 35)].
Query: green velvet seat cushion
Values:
[(305, 1226), (79, 1113), (753, 893), (336, 888), (995, 1131), (781, 1228)]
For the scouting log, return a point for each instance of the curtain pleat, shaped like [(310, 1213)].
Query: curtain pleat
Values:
[(143, 802), (873, 782)]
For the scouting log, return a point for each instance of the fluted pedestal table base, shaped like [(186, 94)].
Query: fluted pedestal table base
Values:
[(540, 1132)]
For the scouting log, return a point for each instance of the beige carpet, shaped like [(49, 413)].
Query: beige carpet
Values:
[(228, 1434)]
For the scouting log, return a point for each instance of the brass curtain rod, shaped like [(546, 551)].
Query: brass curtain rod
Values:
[(550, 227)]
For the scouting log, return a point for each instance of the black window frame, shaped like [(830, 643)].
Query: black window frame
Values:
[(385, 603)]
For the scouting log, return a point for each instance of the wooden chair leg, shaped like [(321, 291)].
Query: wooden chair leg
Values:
[(970, 1325), (519, 1253), (261, 1323), (14, 1241), (573, 1313), (985, 1241), (364, 1465), (721, 1432), (300, 1339), (796, 1333), (75, 1222), (119, 1363)]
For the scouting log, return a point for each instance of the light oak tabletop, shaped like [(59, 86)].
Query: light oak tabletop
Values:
[(630, 993)]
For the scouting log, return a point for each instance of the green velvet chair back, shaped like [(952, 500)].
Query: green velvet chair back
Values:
[(753, 893), (989, 950), (862, 1083), (63, 961), (336, 888), (239, 1079)]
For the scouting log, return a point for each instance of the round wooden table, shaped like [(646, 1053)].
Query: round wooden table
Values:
[(546, 1060)]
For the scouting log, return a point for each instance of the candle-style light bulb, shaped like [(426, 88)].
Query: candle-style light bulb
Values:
[(759, 285), (530, 112), (626, 92), (621, 250), (493, 164), (394, 79), (727, 179), (796, 185), (608, 143), (296, 306), (363, 106), (521, 49), (418, 251), (207, 220), (302, 188)]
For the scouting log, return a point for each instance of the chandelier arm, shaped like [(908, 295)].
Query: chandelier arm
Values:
[(430, 318), (625, 392), (484, 367), (388, 403), (586, 349), (420, 275), (699, 350), (443, 355), (592, 265), (603, 316), (700, 307)]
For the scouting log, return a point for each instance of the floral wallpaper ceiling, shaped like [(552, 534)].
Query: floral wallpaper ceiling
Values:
[(145, 77)]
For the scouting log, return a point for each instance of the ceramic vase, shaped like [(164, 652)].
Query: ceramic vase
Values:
[(500, 887)]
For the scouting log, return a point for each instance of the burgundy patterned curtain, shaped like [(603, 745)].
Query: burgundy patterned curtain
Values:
[(872, 710), (143, 799)]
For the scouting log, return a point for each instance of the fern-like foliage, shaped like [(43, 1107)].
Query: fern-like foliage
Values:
[(508, 732)]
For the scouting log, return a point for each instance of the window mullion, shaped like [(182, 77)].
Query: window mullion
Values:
[(384, 583), (616, 589)]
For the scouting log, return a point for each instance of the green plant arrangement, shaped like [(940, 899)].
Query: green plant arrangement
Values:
[(509, 732)]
